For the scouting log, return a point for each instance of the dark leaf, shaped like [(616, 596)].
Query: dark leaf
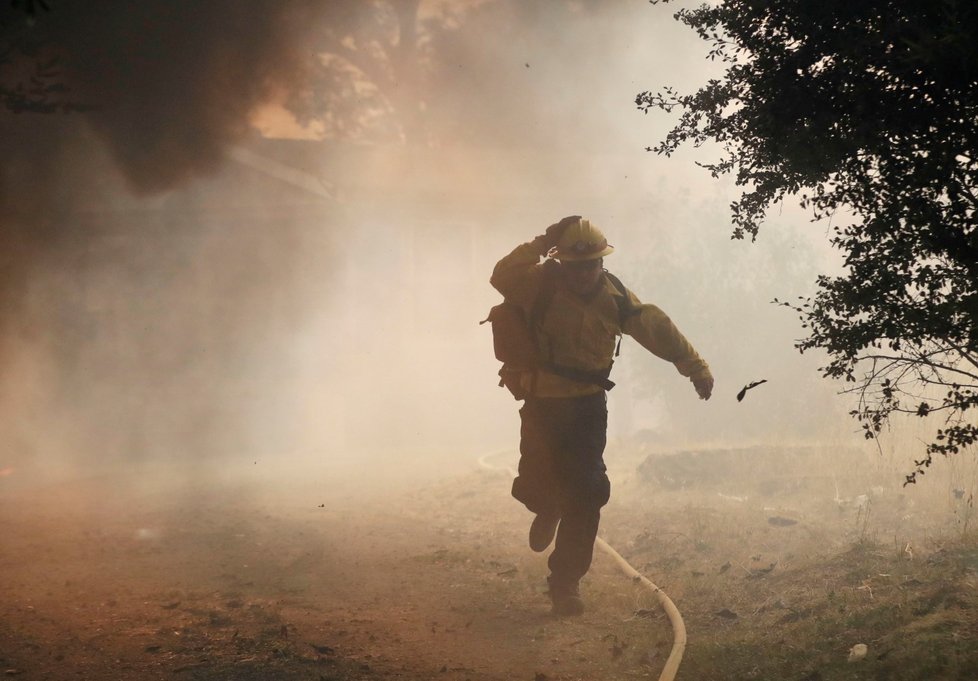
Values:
[(743, 391)]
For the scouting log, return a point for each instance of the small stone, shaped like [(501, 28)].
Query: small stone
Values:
[(858, 652)]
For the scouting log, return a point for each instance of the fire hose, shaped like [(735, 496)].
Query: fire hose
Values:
[(671, 667)]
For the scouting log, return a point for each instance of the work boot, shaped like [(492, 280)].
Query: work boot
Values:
[(542, 531), (566, 599)]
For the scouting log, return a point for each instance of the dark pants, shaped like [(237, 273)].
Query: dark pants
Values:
[(562, 473)]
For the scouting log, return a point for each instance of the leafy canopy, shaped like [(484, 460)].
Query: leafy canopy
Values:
[(866, 108)]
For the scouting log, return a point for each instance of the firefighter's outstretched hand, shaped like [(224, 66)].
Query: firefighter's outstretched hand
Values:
[(704, 386)]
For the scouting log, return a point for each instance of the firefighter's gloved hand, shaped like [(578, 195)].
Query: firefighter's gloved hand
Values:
[(556, 230), (704, 386)]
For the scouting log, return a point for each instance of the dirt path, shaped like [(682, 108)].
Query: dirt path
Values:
[(153, 576), (222, 582)]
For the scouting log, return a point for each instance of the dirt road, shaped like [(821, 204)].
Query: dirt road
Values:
[(239, 581), (155, 576)]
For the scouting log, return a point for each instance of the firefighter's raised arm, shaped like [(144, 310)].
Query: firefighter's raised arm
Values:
[(513, 274)]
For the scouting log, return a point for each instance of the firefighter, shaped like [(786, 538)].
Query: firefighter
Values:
[(577, 311)]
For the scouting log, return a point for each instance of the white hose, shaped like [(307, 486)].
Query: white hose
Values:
[(671, 667)]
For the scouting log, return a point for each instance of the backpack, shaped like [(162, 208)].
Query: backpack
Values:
[(514, 342)]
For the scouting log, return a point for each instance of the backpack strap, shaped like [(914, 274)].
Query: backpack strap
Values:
[(545, 296), (625, 307)]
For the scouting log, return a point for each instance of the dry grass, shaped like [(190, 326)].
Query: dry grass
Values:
[(782, 559)]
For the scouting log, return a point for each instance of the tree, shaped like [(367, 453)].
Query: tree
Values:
[(866, 109), (440, 73), (363, 76)]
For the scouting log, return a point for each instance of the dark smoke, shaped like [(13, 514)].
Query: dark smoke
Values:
[(172, 82), (164, 85), (137, 98)]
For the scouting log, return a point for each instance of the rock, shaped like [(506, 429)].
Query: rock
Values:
[(858, 652)]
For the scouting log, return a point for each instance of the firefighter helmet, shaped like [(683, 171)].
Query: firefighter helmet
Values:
[(581, 240)]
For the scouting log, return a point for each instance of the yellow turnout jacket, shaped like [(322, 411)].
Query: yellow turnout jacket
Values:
[(580, 333)]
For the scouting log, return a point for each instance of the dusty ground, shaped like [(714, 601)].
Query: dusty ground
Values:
[(778, 569)]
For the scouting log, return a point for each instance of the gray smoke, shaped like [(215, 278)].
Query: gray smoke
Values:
[(103, 335), (202, 311), (163, 85)]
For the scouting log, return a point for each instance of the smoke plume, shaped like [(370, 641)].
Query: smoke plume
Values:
[(171, 82)]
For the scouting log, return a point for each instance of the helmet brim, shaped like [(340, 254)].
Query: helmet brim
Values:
[(579, 257)]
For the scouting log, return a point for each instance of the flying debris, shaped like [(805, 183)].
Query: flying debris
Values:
[(743, 391)]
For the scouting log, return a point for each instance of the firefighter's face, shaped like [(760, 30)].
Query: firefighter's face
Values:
[(582, 277)]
